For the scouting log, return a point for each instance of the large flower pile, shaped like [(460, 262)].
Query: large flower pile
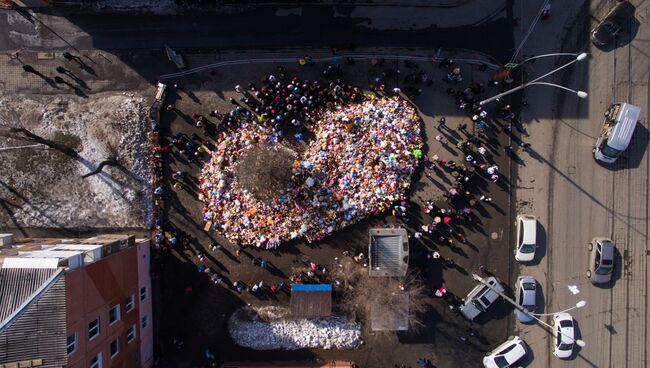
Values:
[(359, 161)]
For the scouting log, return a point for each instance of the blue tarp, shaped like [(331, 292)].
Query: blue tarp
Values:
[(311, 287)]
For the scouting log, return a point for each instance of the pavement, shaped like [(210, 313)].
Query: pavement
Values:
[(577, 199), (477, 25), (440, 341)]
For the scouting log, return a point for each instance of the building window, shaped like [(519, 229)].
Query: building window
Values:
[(130, 303), (145, 322), (93, 329), (143, 293), (71, 343), (114, 314), (96, 361), (115, 347), (130, 334)]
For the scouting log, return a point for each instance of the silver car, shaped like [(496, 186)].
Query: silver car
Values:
[(526, 297), (601, 260)]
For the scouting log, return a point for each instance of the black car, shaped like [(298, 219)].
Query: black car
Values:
[(612, 24)]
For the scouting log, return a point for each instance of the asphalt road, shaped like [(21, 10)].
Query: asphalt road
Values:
[(482, 26), (577, 199)]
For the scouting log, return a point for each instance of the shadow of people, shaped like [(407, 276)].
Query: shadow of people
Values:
[(85, 67), (77, 90), (70, 74), (50, 81)]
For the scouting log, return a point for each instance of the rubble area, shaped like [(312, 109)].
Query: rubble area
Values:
[(42, 184), (269, 328)]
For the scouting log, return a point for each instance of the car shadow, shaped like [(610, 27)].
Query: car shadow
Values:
[(619, 267), (577, 336), (540, 300)]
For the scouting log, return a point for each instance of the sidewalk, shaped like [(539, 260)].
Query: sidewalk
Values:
[(211, 61), (100, 71)]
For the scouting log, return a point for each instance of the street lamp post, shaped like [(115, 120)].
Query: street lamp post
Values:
[(579, 304), (581, 94), (580, 57), (516, 65)]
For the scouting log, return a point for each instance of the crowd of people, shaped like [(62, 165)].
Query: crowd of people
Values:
[(358, 162)]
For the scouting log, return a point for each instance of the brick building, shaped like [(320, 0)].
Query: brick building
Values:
[(76, 303)]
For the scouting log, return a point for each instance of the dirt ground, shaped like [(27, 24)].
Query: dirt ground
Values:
[(200, 315), (65, 137)]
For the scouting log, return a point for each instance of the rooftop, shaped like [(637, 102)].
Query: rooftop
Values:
[(311, 300), (67, 253), (389, 252), (17, 287)]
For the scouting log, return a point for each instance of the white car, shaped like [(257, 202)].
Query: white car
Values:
[(564, 338), (526, 238), (509, 353)]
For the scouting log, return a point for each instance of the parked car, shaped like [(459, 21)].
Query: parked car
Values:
[(509, 353), (601, 260), (612, 24), (481, 298), (526, 297), (526, 238), (564, 335)]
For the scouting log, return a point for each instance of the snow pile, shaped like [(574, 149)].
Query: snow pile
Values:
[(105, 126), (249, 329)]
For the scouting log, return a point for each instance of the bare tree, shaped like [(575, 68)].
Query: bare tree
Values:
[(362, 292)]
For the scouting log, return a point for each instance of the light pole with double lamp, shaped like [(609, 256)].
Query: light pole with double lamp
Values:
[(535, 81), (516, 65), (579, 304)]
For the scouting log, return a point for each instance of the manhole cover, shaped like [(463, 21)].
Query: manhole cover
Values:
[(494, 236)]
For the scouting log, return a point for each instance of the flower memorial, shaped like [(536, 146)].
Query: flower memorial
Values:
[(358, 160)]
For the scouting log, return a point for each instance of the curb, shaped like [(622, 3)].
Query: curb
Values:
[(490, 62)]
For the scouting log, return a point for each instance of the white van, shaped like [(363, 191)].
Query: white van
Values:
[(620, 121)]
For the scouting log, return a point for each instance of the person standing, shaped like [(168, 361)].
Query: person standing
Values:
[(442, 123)]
